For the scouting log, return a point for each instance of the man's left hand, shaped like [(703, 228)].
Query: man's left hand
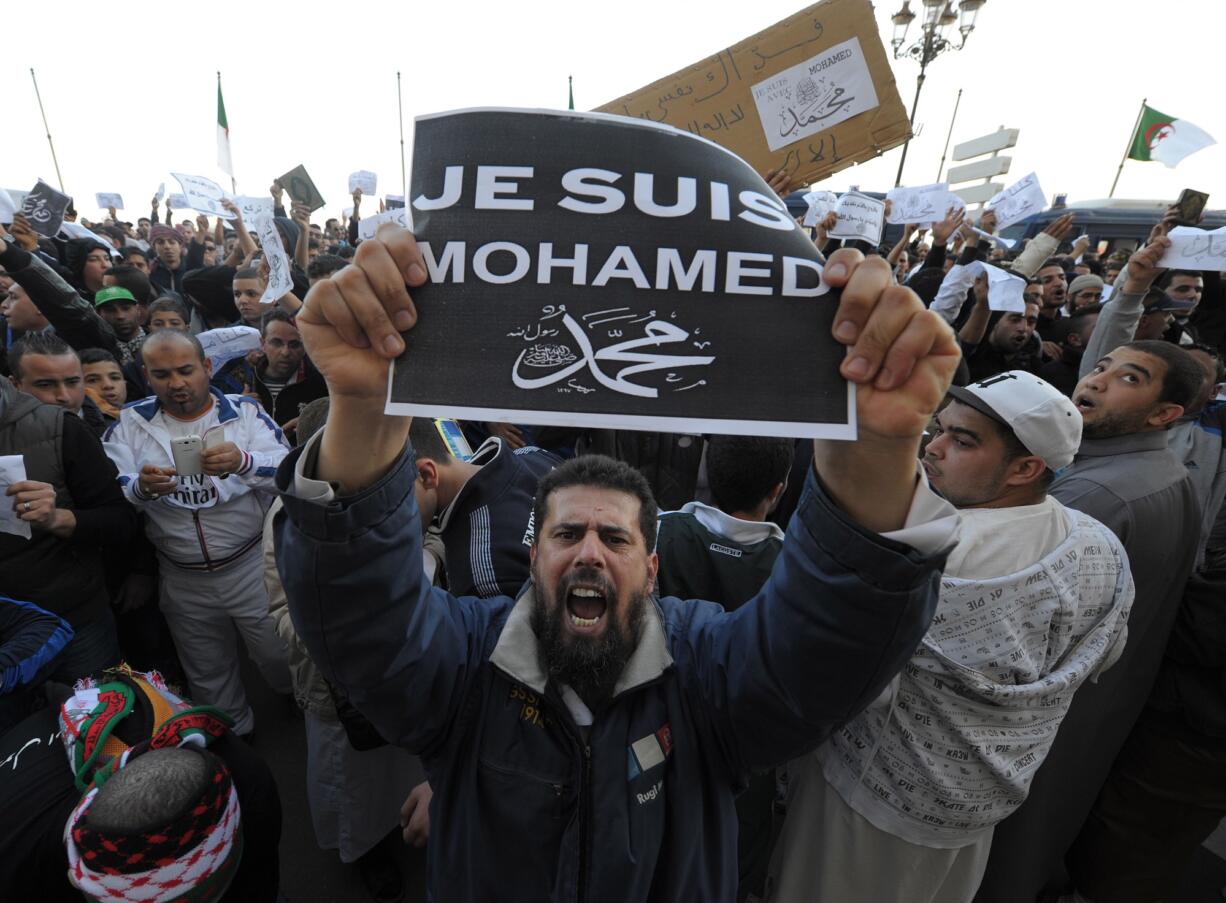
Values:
[(221, 459), (34, 502)]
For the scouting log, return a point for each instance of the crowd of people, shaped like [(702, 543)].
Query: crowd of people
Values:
[(976, 655)]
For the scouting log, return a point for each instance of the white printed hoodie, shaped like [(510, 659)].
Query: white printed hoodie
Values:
[(951, 750)]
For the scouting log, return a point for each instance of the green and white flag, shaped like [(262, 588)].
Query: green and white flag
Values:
[(223, 134), (1166, 139)]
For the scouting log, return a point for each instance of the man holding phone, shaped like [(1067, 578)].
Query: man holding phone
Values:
[(200, 465)]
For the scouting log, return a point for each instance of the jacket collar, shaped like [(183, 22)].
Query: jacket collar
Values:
[(517, 652), (1152, 440), (149, 407)]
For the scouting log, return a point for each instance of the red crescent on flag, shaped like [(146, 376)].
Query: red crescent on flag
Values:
[(1152, 139)]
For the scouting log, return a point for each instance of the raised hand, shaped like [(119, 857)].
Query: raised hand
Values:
[(780, 182), (1060, 227), (901, 356), (351, 322), (948, 226), (1143, 266)]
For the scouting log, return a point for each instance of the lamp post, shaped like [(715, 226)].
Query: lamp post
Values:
[(934, 39)]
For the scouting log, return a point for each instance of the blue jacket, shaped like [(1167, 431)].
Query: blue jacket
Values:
[(525, 807)]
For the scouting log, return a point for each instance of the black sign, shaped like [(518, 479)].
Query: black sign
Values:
[(301, 189), (604, 271), (44, 207)]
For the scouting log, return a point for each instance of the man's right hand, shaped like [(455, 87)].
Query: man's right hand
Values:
[(415, 815), (1143, 266), (155, 482), (941, 231), (1060, 227), (351, 322)]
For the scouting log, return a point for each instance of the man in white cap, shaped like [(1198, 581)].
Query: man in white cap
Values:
[(901, 803)]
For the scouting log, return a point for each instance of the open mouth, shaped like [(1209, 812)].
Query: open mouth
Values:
[(929, 469), (586, 607), (1083, 403)]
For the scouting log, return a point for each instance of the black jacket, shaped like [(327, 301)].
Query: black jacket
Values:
[(64, 576), (308, 385)]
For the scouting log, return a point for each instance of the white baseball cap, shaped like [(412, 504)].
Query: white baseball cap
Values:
[(1043, 419)]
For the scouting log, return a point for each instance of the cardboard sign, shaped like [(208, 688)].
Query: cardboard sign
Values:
[(202, 195), (621, 274), (301, 188), (812, 94), (107, 200), (859, 218), (44, 207), (365, 180), (1021, 199)]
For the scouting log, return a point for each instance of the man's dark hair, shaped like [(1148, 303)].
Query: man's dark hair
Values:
[(1014, 450), (148, 792), (174, 305), (45, 343), (325, 265), (112, 232), (346, 252), (603, 473), (742, 470), (1182, 381), (247, 273), (167, 336), (1076, 322), (427, 442), (313, 417), (96, 356), (1219, 366), (129, 277), (1169, 276), (128, 251), (275, 315)]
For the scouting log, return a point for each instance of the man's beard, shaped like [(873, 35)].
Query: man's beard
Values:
[(1112, 425), (588, 665)]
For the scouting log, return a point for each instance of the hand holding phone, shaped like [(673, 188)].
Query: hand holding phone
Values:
[(186, 453)]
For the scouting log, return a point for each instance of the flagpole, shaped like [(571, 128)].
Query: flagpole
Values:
[(50, 143), (1131, 138), (404, 181), (950, 134)]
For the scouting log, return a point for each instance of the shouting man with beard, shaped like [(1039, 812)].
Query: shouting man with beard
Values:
[(586, 740)]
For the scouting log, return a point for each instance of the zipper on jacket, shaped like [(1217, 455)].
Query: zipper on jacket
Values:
[(585, 821), (204, 546)]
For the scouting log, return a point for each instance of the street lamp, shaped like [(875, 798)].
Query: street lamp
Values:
[(938, 17)]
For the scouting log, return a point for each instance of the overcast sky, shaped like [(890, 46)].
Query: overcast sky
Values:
[(130, 97)]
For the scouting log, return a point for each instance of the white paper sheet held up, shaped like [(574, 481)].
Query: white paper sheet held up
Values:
[(225, 344), (369, 225), (820, 203), (107, 199), (994, 239), (919, 204), (76, 230), (280, 283), (794, 104), (1195, 249), (12, 470), (1005, 290), (859, 217), (8, 210), (251, 207), (178, 201), (203, 195), (364, 179), (1020, 200)]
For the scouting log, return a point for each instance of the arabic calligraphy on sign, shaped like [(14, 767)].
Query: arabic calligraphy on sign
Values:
[(814, 95), (567, 364)]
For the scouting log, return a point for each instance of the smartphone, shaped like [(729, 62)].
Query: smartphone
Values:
[(454, 437), (1191, 205), (186, 453)]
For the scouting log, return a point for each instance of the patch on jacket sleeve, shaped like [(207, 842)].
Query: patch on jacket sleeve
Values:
[(647, 752)]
